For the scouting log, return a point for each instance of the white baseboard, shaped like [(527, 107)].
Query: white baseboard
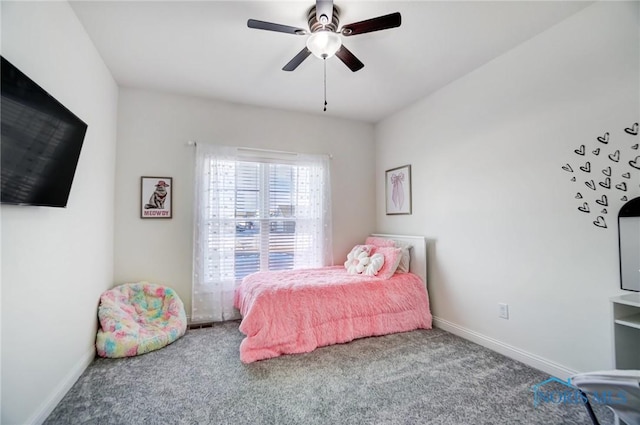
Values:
[(56, 396), (525, 357)]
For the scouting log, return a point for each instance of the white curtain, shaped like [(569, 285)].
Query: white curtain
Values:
[(255, 211), (312, 194)]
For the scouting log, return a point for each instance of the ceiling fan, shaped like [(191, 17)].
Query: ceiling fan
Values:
[(324, 38)]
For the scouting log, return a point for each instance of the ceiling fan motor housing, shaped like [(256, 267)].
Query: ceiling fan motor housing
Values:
[(314, 21)]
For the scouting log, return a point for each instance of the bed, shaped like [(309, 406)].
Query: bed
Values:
[(297, 311)]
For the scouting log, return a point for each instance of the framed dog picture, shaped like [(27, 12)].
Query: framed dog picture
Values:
[(156, 197), (398, 190)]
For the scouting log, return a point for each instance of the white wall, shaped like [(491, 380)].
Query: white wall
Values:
[(153, 131), (500, 212), (56, 262)]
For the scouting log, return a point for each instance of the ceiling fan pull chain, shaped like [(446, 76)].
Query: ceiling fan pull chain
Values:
[(324, 61)]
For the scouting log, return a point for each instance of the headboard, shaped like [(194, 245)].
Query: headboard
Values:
[(418, 264)]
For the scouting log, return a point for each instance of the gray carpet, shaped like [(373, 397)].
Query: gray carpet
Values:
[(419, 377)]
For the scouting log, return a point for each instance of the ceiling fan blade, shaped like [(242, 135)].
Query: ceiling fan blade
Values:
[(270, 26), (297, 60), (324, 7), (349, 59), (392, 20)]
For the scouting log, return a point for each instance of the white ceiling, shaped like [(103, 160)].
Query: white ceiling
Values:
[(204, 48)]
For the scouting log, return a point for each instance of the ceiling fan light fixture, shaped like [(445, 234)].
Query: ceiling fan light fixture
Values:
[(324, 44)]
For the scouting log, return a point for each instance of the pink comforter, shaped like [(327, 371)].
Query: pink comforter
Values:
[(296, 311)]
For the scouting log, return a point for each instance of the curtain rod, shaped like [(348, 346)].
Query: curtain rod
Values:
[(194, 143)]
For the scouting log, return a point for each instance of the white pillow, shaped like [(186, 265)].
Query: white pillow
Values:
[(405, 257), (357, 259), (405, 260), (375, 264)]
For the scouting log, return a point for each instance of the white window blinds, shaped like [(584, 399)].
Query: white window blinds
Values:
[(253, 214)]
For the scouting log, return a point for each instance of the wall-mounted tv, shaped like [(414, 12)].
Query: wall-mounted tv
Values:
[(40, 143)]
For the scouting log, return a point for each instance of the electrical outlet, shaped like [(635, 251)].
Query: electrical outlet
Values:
[(503, 311)]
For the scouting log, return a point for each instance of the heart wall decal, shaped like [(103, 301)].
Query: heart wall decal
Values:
[(604, 139), (622, 186), (600, 222), (617, 164), (603, 201)]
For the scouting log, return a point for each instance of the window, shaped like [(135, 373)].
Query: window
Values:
[(255, 214), (265, 217)]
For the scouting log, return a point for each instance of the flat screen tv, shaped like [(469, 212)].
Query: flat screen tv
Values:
[(40, 143)]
